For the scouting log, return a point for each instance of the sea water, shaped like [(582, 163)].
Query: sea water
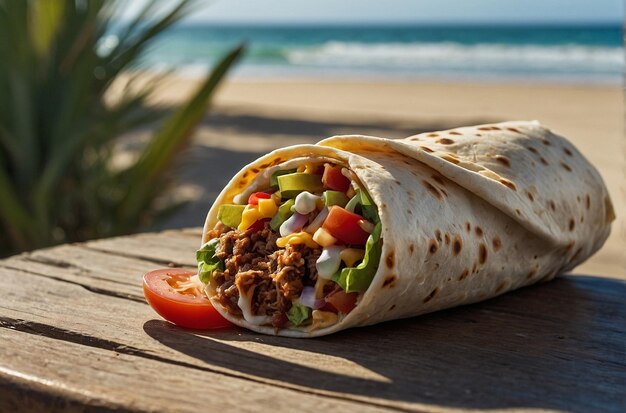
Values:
[(580, 54)]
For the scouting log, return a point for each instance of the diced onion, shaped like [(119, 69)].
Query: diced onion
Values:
[(308, 298), (317, 222), (366, 226), (293, 224)]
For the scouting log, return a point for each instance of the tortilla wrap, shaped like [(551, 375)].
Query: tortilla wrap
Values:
[(467, 214)]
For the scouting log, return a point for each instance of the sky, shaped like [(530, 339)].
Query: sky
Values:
[(407, 11)]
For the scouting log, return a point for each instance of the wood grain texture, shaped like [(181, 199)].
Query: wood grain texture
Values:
[(77, 336)]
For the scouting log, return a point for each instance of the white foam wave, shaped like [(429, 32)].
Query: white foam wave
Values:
[(428, 56)]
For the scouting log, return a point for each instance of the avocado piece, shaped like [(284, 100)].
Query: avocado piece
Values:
[(292, 184), (284, 212), (230, 215), (275, 175), (335, 198)]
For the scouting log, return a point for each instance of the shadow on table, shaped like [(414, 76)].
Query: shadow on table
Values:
[(557, 346)]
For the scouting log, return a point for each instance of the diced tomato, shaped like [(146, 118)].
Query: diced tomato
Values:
[(334, 179), (178, 298), (254, 198), (344, 225), (342, 301), (258, 225)]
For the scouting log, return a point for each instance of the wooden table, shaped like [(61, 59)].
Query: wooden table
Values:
[(76, 335)]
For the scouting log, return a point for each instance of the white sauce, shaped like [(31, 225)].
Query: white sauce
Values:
[(245, 303), (305, 203)]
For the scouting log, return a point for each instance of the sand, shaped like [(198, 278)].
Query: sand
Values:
[(252, 117)]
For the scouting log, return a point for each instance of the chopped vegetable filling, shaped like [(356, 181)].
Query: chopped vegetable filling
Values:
[(300, 253)]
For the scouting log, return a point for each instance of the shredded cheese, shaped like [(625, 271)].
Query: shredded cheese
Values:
[(252, 213), (297, 238)]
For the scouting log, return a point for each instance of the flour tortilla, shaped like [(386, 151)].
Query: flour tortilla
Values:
[(467, 214)]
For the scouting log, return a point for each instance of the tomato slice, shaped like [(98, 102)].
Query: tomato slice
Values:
[(334, 179), (253, 199), (344, 225), (258, 225), (176, 295), (342, 301)]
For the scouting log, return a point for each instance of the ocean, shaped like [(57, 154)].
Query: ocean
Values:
[(570, 54)]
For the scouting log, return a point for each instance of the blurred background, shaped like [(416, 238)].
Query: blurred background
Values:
[(99, 99)]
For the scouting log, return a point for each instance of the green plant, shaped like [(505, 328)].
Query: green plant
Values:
[(59, 127)]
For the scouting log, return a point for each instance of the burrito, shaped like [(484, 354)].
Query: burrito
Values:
[(355, 230)]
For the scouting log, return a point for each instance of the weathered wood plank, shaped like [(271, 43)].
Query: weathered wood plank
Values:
[(38, 373), (555, 346)]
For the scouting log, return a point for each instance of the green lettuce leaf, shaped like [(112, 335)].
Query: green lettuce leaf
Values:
[(357, 279), (298, 314), (207, 261)]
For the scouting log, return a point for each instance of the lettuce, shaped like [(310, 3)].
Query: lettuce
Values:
[(298, 314), (360, 277), (207, 261)]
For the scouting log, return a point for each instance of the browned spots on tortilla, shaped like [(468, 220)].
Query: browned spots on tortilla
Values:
[(447, 238), (479, 135), (530, 196), (433, 135), (434, 191), (578, 198), (255, 170), (450, 158), (408, 211), (587, 201), (513, 130), (433, 246), (445, 141), (245, 174), (468, 226), (474, 268), (397, 182), (457, 245), (543, 161), (508, 184), (455, 133), (431, 295), (390, 260), (479, 231), (546, 142), (276, 161), (570, 245), (582, 219), (484, 128), (426, 149), (500, 287), (265, 165), (411, 248), (572, 224), (392, 307), (566, 166), (495, 128), (531, 274), (482, 253), (503, 160), (518, 212), (533, 150), (438, 179), (464, 274), (414, 139), (438, 235), (568, 152), (552, 205), (389, 280), (497, 243)]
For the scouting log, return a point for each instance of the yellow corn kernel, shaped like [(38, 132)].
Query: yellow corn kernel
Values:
[(323, 319), (249, 216), (324, 238), (351, 255), (297, 238), (267, 208)]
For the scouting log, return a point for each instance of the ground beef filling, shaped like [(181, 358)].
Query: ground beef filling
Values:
[(252, 260)]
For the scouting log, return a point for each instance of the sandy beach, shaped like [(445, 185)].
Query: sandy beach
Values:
[(250, 118)]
